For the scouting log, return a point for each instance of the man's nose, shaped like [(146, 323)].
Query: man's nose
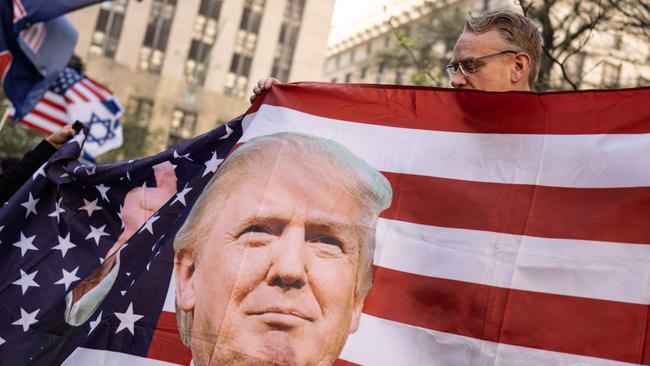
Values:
[(458, 80), (288, 261)]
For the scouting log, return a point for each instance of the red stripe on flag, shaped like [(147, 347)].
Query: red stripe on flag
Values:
[(91, 89), (166, 343), (39, 113), (78, 94), (340, 362), (589, 327), (599, 214), (53, 104), (100, 86), (36, 127), (444, 109)]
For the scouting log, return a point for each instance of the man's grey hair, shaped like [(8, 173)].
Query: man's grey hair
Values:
[(516, 29), (327, 158)]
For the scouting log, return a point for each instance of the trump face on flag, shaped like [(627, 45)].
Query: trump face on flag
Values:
[(274, 262)]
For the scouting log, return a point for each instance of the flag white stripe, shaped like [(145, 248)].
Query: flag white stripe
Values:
[(558, 266), (71, 93), (550, 160), (52, 112), (376, 341), (89, 356), (42, 123)]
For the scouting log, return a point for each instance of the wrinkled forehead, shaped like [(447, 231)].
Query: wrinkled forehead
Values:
[(476, 45)]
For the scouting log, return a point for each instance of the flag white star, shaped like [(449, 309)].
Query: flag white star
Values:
[(2, 341), (95, 323), (185, 156), (26, 319), (103, 190), (96, 233), (68, 278), (212, 164), (25, 244), (148, 225), (180, 196), (57, 210), (228, 132), (90, 207), (127, 320), (30, 205), (26, 281), (91, 171), (64, 245), (40, 171)]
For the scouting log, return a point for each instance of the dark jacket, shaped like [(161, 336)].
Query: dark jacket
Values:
[(16, 175)]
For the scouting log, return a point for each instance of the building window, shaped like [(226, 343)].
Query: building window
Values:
[(108, 28), (204, 34), (138, 111), (286, 47), (387, 41), (182, 126), (136, 119), (364, 73), (369, 48), (611, 75), (333, 80), (245, 44), (380, 73), (348, 77), (152, 53)]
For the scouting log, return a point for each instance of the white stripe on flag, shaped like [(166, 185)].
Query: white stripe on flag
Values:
[(48, 126), (550, 160), (558, 266), (82, 89), (376, 340), (90, 85)]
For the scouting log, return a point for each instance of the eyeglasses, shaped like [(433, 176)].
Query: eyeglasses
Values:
[(470, 65)]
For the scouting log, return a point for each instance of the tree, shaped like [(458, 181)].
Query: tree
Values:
[(566, 26), (425, 43)]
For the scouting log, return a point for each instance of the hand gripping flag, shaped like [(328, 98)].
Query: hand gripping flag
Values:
[(74, 97), (35, 45), (517, 232)]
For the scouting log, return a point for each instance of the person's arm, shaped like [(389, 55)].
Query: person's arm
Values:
[(16, 175)]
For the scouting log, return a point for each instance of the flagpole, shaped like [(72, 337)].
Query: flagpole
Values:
[(5, 115)]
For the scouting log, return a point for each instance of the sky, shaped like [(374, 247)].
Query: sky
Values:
[(346, 10)]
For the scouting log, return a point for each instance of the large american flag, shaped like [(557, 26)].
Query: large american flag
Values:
[(518, 233)]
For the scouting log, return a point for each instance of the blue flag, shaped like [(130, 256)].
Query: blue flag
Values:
[(35, 46)]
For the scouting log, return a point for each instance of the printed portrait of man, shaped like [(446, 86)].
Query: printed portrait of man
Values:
[(274, 262)]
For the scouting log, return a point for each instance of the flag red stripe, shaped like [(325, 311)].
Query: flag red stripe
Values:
[(36, 127), (40, 37), (444, 109), (48, 117), (589, 327), (53, 104), (90, 88), (166, 343), (100, 86), (78, 94), (598, 214), (341, 362)]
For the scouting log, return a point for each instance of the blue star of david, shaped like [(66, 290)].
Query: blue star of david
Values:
[(104, 124)]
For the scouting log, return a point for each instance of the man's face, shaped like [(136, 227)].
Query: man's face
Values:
[(495, 74), (275, 281)]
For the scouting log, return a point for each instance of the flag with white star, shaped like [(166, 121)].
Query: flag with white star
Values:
[(75, 97), (60, 227)]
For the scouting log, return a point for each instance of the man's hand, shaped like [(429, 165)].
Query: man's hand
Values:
[(140, 203), (58, 138), (263, 85)]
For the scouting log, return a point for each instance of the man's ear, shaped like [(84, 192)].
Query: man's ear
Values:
[(356, 314), (521, 68), (184, 272)]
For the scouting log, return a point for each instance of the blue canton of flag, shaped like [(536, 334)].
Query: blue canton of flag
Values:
[(67, 220)]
